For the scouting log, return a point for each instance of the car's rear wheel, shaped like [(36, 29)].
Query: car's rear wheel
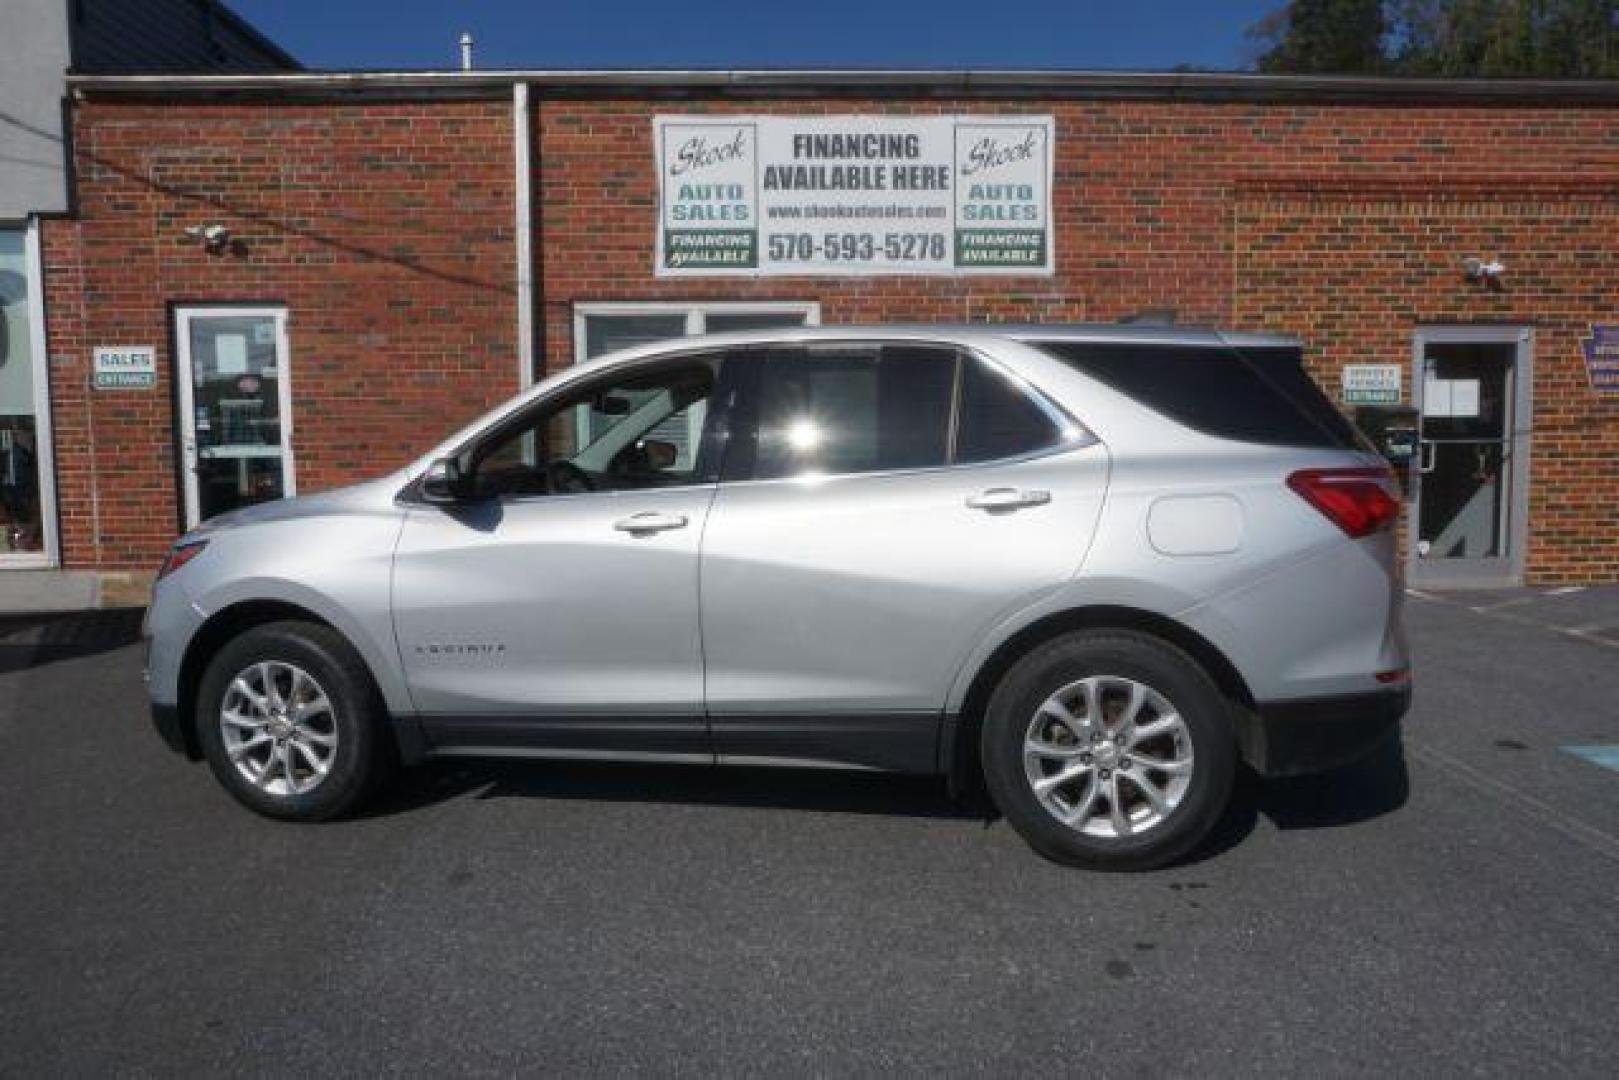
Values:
[(290, 722), (1109, 749)]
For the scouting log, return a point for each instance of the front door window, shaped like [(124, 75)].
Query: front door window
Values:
[(235, 402), (636, 431)]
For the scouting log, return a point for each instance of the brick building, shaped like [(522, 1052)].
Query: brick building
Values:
[(40, 41), (323, 273)]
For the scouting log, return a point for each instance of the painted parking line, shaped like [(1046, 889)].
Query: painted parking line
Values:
[(1581, 832), (1606, 756)]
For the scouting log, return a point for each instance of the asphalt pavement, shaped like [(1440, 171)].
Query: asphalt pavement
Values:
[(1450, 906)]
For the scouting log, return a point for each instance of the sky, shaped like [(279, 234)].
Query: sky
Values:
[(411, 34)]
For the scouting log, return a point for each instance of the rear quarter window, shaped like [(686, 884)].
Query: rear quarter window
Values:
[(1260, 396), (996, 417)]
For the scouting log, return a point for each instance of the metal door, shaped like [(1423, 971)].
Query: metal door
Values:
[(862, 593), (559, 612)]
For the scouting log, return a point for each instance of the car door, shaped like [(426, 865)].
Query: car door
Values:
[(556, 606), (883, 507)]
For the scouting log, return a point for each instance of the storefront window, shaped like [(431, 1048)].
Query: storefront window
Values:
[(21, 525), (603, 328)]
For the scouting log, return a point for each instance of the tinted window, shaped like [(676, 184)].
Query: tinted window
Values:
[(638, 430), (850, 410), (1252, 395), (997, 417)]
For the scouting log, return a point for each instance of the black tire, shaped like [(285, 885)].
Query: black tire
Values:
[(1123, 654), (361, 757)]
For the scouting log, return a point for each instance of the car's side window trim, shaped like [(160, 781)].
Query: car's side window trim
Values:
[(953, 428), (742, 414)]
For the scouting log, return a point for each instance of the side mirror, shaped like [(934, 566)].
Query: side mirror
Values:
[(660, 455), (444, 482)]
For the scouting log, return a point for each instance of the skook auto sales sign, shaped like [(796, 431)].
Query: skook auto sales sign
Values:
[(773, 195)]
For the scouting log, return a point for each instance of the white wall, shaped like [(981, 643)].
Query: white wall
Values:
[(33, 58)]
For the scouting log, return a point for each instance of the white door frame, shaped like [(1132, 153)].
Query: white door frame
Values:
[(1517, 433), (44, 442), (183, 378)]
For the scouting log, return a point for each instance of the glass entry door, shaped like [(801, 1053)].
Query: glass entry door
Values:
[(1472, 387), (235, 408)]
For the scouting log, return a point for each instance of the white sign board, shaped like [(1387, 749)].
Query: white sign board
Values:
[(1371, 384), (124, 367), (848, 195), (230, 354), (1450, 398)]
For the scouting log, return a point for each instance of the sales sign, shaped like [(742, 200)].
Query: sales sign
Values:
[(124, 367), (772, 195), (1371, 384), (1602, 359)]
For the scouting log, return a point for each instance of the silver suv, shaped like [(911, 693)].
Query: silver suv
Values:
[(1091, 567)]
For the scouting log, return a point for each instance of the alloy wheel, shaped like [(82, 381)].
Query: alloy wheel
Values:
[(1108, 756), (279, 728)]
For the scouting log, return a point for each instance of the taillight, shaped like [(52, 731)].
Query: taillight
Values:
[(1358, 501), (179, 555)]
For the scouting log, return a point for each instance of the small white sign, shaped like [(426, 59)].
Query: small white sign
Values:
[(124, 367), (1456, 399), (1371, 384), (230, 354)]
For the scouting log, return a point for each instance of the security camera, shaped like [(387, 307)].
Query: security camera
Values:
[(213, 237), (1479, 270)]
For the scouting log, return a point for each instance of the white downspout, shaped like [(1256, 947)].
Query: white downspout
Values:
[(525, 236)]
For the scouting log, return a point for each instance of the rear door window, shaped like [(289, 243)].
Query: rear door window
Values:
[(1248, 395), (839, 409)]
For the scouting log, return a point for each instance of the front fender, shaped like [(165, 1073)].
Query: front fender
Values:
[(367, 627)]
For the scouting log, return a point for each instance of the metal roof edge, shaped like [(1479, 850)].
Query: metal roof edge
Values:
[(1128, 85)]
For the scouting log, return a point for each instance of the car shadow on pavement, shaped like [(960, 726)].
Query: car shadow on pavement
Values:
[(1376, 785), (34, 640), (761, 787), (1370, 788)]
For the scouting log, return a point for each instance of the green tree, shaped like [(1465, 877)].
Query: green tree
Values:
[(1322, 37), (1544, 38)]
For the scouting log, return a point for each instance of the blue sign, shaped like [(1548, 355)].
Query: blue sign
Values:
[(1602, 359)]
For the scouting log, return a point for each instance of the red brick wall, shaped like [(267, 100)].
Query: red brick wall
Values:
[(1345, 225), (1354, 273), (386, 230)]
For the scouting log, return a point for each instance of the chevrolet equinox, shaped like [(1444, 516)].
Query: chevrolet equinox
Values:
[(1092, 568)]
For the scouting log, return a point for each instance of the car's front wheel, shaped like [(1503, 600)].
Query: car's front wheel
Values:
[(290, 722), (1109, 749)]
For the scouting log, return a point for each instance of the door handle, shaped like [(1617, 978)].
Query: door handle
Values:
[(1429, 456), (650, 521), (1005, 498)]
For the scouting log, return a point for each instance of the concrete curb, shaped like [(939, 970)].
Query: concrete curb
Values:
[(29, 591)]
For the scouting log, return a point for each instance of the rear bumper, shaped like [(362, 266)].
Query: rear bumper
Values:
[(1287, 738)]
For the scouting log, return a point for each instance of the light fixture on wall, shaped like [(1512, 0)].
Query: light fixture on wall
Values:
[(1482, 272), (214, 238)]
